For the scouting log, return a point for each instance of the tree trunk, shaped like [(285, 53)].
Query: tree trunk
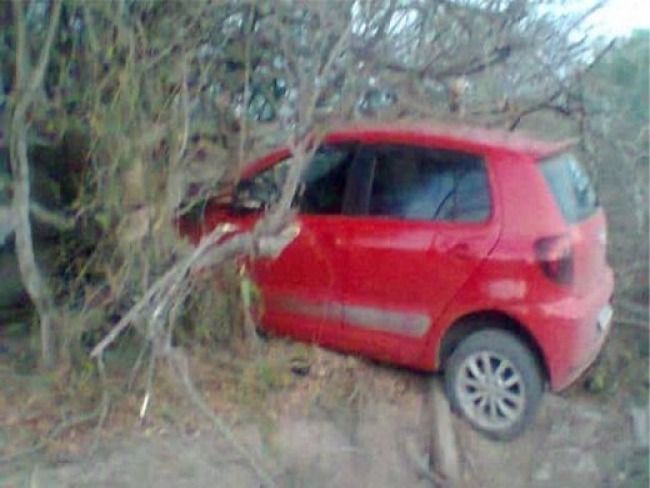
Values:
[(32, 279), (26, 86)]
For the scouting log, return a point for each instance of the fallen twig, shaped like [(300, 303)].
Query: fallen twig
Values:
[(179, 364), (178, 272), (643, 324), (633, 308), (54, 433)]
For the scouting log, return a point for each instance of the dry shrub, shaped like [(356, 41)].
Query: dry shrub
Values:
[(212, 315)]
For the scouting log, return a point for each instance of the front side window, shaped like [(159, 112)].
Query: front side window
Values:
[(262, 190), (322, 186), (324, 181), (417, 183)]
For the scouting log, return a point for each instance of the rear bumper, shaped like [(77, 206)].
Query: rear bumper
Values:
[(565, 377), (574, 332)]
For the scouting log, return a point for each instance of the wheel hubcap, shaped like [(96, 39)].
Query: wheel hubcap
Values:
[(490, 390)]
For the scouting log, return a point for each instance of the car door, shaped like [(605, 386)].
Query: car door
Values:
[(302, 287), (424, 224)]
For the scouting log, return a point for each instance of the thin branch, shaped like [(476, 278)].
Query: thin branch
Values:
[(53, 219), (52, 435), (90, 29), (633, 308), (185, 101), (37, 75), (243, 119), (179, 365), (202, 256), (25, 91)]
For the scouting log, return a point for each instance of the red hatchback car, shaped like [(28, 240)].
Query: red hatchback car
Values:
[(478, 253)]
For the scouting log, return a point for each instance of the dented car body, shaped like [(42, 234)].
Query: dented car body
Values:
[(475, 252)]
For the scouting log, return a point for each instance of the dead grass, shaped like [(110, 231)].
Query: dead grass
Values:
[(33, 404), (621, 373), (283, 380)]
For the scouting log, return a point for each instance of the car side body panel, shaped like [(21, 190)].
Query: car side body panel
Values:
[(392, 289), (303, 286), (562, 320)]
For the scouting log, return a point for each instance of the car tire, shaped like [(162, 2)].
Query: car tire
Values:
[(494, 381)]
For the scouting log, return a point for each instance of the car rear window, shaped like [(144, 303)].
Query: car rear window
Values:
[(571, 187)]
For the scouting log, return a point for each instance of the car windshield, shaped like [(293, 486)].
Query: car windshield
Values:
[(571, 187)]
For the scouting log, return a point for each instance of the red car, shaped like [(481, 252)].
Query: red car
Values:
[(478, 253)]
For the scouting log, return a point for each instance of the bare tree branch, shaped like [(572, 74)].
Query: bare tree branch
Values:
[(25, 89)]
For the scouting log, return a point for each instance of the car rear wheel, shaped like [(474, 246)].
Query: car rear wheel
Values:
[(493, 380)]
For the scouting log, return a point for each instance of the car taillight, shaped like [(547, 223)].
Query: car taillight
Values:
[(555, 258)]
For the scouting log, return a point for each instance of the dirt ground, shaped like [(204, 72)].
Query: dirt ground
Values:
[(573, 444), (364, 425)]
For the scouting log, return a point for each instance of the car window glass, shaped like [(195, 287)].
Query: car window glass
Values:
[(325, 179), (417, 183), (262, 190), (322, 185), (571, 187)]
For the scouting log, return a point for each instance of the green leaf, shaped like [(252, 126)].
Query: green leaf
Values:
[(103, 219), (247, 287)]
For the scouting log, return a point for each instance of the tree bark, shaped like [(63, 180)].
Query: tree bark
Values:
[(31, 276), (25, 88)]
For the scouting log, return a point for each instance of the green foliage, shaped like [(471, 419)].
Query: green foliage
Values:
[(624, 76), (15, 329), (618, 139)]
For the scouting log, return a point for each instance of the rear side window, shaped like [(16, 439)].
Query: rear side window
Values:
[(417, 183), (571, 187)]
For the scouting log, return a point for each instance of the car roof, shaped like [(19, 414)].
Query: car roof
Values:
[(470, 137)]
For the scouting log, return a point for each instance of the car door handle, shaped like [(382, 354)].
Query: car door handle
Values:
[(461, 249)]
